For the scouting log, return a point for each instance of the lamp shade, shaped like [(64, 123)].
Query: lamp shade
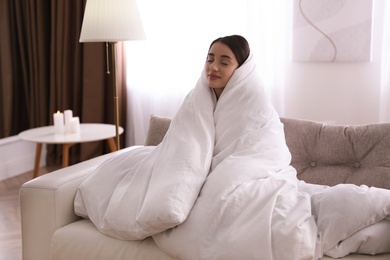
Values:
[(111, 21)]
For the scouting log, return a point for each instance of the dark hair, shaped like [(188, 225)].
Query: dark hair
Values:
[(238, 44)]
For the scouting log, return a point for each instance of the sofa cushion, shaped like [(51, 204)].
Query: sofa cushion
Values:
[(328, 154), (158, 127), (81, 240)]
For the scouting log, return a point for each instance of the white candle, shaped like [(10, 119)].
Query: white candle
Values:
[(75, 125), (68, 117), (58, 119)]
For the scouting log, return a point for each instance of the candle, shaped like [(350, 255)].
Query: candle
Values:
[(68, 117), (75, 125), (58, 119)]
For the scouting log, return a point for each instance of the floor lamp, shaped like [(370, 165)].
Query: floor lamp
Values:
[(112, 21)]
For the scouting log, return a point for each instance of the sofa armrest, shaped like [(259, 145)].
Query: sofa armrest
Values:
[(47, 205)]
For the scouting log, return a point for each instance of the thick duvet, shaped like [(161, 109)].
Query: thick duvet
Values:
[(220, 186)]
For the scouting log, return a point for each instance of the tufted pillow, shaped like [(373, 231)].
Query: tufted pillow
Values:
[(158, 127), (329, 154)]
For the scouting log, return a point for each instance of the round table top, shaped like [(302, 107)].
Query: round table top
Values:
[(88, 133)]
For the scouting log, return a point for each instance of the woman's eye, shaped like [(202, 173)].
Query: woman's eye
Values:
[(209, 60), (224, 64)]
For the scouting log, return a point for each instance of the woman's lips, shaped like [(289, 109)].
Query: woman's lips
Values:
[(213, 77)]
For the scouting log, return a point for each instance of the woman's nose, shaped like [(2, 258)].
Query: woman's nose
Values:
[(214, 66)]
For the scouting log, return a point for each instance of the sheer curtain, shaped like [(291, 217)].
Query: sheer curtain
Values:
[(163, 69)]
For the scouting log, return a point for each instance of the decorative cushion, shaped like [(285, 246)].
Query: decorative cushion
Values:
[(331, 154), (158, 127)]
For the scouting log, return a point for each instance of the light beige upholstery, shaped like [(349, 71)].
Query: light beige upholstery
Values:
[(158, 126), (322, 154), (81, 240), (327, 154)]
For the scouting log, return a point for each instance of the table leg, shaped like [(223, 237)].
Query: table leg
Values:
[(38, 150), (111, 144), (65, 154)]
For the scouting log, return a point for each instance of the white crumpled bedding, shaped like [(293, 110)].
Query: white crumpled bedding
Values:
[(220, 186)]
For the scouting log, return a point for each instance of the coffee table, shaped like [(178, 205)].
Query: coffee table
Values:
[(88, 133)]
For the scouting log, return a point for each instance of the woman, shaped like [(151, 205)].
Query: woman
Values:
[(225, 55), (238, 213), (214, 187)]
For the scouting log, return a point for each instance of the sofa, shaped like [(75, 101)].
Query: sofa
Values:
[(321, 154)]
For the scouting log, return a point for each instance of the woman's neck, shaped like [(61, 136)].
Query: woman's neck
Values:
[(218, 92)]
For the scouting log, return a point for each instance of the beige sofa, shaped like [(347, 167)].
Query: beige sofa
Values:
[(321, 154)]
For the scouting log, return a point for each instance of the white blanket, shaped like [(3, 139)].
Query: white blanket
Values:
[(220, 186)]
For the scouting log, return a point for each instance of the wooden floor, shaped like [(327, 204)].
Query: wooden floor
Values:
[(10, 230)]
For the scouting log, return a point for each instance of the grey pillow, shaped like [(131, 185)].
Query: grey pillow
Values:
[(158, 127)]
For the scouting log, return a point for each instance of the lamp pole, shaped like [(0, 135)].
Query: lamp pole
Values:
[(116, 97)]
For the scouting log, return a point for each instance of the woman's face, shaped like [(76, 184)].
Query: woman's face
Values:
[(220, 66)]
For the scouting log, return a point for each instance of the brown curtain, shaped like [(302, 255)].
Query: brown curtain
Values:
[(44, 68), (24, 39), (6, 93)]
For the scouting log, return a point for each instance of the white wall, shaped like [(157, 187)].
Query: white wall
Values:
[(338, 93), (344, 93), (17, 157)]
